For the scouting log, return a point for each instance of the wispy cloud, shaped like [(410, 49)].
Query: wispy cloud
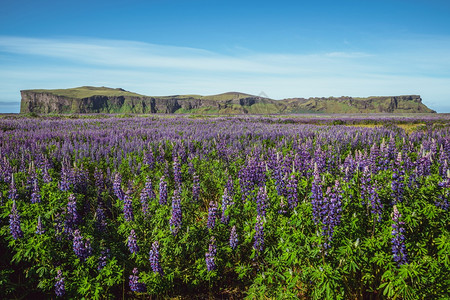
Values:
[(158, 69)]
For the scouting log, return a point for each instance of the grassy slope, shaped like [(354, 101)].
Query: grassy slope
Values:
[(87, 91)]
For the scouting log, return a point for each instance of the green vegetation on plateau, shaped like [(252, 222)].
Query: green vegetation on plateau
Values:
[(88, 99), (87, 91)]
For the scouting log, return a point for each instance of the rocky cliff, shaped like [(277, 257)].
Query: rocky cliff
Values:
[(106, 100)]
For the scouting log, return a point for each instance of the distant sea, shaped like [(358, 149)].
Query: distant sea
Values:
[(9, 107)]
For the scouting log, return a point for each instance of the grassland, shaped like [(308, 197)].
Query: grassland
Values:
[(88, 91)]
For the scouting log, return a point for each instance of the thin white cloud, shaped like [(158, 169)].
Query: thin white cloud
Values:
[(160, 70)]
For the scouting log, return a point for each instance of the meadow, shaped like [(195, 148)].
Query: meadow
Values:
[(317, 207)]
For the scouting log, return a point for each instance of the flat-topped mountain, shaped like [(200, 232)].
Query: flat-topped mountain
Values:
[(88, 99)]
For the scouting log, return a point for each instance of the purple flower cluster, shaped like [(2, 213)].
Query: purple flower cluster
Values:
[(253, 173), (177, 172), (103, 259), (258, 243), (162, 191), (66, 178), (398, 177), (14, 223), (176, 219), (262, 202), (72, 216), (154, 259), (36, 192), (12, 190), (210, 256), (233, 238), (365, 184), (230, 186), (376, 207), (134, 283), (147, 194), (60, 288), (398, 239), (132, 242), (128, 207), (212, 215), (149, 158), (82, 249), (46, 178), (39, 228), (330, 212), (117, 187), (316, 197), (443, 197)]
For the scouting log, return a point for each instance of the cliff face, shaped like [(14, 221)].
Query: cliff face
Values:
[(394, 104), (46, 101)]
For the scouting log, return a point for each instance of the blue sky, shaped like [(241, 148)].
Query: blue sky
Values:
[(284, 48)]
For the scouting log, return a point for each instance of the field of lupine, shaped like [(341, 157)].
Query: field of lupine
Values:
[(223, 207)]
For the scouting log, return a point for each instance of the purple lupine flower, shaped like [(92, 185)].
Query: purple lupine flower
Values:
[(291, 192), (132, 242), (212, 215), (39, 228), (64, 184), (12, 190), (227, 201), (80, 180), (134, 283), (230, 186), (176, 172), (154, 259), (128, 207), (144, 201), (149, 158), (376, 207), (35, 193), (162, 191), (117, 187), (82, 249), (72, 214), (331, 212), (233, 238), (210, 256), (147, 194), (316, 196), (365, 184), (60, 288), (253, 173), (103, 259), (46, 178), (195, 187), (100, 219), (398, 239), (258, 244), (443, 202), (176, 219), (397, 184), (262, 202), (14, 223)]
